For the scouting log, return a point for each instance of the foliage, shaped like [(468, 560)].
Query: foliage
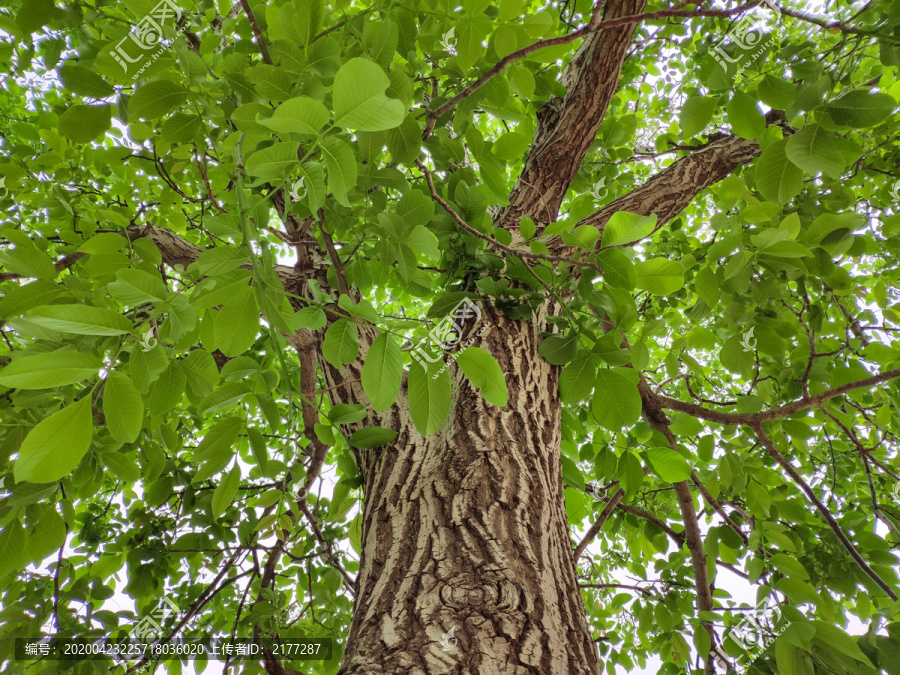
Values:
[(150, 411)]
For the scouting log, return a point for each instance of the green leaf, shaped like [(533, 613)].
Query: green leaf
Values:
[(626, 228), (28, 261), (558, 350), (155, 99), (792, 660), (382, 371), (341, 165), (707, 287), (80, 319), (429, 397), (84, 82), (860, 109), (18, 299), (697, 113), (359, 100), (83, 123), (814, 149), (484, 372), (302, 20), (347, 413), (299, 115), (225, 492), (616, 403), (837, 639), (48, 536), (583, 236), (135, 287), (577, 379), (34, 15), (313, 175), (415, 208), (122, 466), (52, 369), (618, 270), (274, 162), (448, 302), (123, 408), (12, 548), (669, 465), (789, 566), (168, 389), (145, 367), (181, 128), (223, 397), (630, 473), (777, 93), (405, 142), (659, 276), (201, 371), (216, 446), (341, 344), (511, 146), (54, 447), (777, 178), (745, 118), (311, 317), (372, 437), (237, 324)]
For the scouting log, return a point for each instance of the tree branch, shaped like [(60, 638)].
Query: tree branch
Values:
[(597, 526), (651, 411), (590, 28), (257, 33), (670, 191), (832, 523), (567, 127), (751, 419)]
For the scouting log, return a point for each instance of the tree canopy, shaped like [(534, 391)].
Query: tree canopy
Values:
[(214, 211)]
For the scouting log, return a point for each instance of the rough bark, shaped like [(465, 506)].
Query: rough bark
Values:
[(567, 126), (465, 531)]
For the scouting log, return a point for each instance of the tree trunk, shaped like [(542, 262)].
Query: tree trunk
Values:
[(465, 531)]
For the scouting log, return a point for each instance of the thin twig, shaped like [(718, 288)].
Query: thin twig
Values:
[(596, 527), (493, 242), (257, 33), (752, 419), (832, 523)]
